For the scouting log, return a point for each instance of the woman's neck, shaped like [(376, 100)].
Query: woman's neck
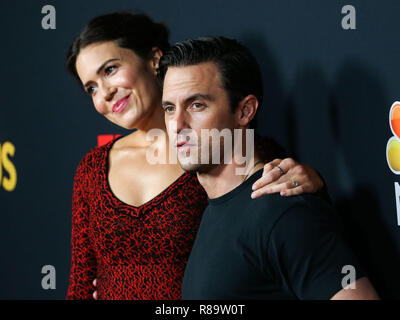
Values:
[(152, 125)]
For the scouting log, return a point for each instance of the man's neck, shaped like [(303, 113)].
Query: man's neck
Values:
[(223, 178)]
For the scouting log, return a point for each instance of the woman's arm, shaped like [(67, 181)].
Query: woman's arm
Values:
[(289, 178), (83, 260), (286, 176)]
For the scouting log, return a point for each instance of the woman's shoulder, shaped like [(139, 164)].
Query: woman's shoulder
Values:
[(96, 157)]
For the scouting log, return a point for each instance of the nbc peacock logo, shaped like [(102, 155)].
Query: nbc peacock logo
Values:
[(393, 144), (393, 151)]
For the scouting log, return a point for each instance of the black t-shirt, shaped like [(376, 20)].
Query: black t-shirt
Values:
[(272, 247)]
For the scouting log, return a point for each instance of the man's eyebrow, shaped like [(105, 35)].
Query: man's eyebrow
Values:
[(100, 68), (199, 96), (166, 103), (190, 99)]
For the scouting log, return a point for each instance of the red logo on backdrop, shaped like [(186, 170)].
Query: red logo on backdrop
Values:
[(103, 139)]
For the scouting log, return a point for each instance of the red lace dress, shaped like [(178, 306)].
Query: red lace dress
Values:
[(134, 252)]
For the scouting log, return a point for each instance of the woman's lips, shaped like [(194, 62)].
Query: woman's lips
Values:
[(121, 104)]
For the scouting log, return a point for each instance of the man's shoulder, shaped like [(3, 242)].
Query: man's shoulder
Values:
[(270, 209)]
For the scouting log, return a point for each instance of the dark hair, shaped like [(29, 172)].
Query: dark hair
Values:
[(131, 31), (240, 73)]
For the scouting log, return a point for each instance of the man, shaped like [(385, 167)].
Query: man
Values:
[(267, 248)]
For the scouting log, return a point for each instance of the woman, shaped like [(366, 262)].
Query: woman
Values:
[(133, 223)]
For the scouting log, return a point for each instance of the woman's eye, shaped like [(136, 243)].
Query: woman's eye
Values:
[(109, 70), (90, 90)]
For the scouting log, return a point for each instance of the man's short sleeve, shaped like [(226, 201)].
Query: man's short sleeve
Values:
[(307, 254)]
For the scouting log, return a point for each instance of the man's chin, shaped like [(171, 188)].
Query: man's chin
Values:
[(190, 167), (194, 167)]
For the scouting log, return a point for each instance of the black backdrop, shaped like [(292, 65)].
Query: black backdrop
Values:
[(328, 95)]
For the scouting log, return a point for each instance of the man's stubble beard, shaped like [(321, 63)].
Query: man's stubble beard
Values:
[(203, 167)]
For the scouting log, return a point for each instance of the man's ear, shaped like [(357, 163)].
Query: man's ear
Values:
[(246, 110), (154, 59)]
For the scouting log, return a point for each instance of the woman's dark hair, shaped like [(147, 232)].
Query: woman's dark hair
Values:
[(131, 31), (239, 70)]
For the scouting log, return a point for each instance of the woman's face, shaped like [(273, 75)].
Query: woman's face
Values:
[(123, 86)]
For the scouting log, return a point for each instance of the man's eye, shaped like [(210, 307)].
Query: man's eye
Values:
[(168, 109), (109, 70), (197, 106)]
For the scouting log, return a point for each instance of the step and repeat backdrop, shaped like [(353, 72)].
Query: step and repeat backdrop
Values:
[(331, 80)]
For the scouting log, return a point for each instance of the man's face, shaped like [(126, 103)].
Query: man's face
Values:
[(194, 99)]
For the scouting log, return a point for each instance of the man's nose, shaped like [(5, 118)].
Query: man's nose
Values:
[(181, 119)]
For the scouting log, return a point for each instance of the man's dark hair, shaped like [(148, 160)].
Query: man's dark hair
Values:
[(240, 72), (136, 32)]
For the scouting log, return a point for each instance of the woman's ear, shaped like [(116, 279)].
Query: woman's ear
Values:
[(155, 56), (246, 110)]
